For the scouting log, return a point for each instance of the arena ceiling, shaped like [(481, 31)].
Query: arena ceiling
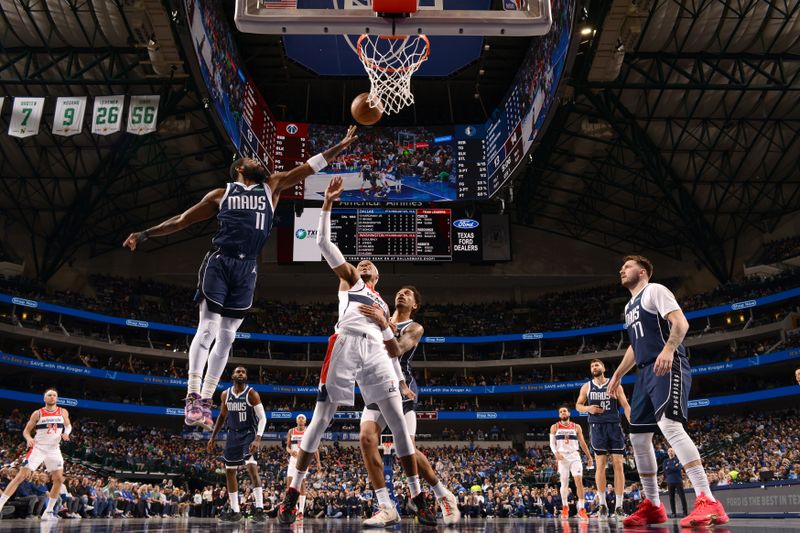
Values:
[(679, 130), (680, 145)]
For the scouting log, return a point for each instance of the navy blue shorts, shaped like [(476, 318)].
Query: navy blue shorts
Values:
[(606, 438), (237, 447), (227, 284), (657, 396)]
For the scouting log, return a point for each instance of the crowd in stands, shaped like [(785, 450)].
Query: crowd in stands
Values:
[(494, 481), (778, 250), (160, 302)]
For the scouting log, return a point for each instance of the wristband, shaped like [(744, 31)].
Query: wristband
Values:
[(67, 430), (388, 334), (317, 162)]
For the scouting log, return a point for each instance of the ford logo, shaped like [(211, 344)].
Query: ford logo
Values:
[(466, 223)]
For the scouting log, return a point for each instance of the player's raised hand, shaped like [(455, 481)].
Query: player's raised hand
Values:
[(349, 138), (335, 188), (132, 241)]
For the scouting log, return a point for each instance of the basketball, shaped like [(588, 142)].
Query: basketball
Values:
[(363, 113)]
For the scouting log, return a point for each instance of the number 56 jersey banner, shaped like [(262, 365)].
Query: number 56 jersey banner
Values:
[(107, 115), (142, 114)]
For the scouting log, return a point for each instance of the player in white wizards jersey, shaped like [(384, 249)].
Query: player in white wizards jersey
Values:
[(357, 352), (565, 436), (52, 426), (293, 438)]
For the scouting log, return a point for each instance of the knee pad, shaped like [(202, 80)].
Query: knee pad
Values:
[(206, 333)]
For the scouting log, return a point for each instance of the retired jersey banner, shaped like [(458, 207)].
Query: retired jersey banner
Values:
[(68, 118), (142, 114), (25, 117), (107, 114)]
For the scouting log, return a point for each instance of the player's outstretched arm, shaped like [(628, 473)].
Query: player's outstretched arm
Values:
[(202, 210), (223, 414), (281, 181), (347, 273)]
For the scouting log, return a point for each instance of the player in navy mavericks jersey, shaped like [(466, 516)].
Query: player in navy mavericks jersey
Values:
[(407, 302), (227, 277), (605, 432), (242, 414), (656, 328)]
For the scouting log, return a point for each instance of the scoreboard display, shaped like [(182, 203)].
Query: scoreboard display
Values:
[(291, 150), (407, 234)]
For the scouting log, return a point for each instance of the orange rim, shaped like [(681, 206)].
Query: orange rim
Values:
[(375, 66)]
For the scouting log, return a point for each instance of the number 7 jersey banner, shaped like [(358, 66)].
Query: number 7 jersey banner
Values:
[(143, 114), (25, 117), (107, 114)]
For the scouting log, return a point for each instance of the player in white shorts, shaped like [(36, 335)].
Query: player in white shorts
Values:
[(293, 438), (565, 436), (52, 426), (406, 303), (357, 352)]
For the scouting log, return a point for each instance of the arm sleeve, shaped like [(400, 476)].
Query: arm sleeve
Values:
[(553, 444), (329, 250), (397, 369), (262, 419), (659, 299)]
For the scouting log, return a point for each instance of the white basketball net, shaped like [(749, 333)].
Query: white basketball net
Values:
[(390, 61)]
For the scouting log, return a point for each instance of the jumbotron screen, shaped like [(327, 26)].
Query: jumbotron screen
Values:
[(398, 164)]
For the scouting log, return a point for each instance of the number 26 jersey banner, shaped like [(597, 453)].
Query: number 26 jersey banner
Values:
[(107, 115)]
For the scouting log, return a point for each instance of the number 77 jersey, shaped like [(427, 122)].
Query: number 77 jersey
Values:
[(647, 328)]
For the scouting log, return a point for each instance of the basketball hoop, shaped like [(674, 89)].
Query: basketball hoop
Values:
[(390, 61)]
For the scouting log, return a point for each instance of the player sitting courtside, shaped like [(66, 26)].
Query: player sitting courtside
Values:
[(564, 439), (605, 432), (244, 418), (52, 426), (357, 352), (227, 277), (406, 303)]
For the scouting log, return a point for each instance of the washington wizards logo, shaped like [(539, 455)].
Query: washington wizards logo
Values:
[(291, 129)]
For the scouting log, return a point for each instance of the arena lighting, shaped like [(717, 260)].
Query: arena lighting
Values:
[(587, 31)]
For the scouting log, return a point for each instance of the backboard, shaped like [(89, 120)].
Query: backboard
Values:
[(516, 18)]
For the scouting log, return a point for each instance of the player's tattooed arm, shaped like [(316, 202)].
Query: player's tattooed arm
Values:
[(679, 326), (202, 210), (410, 337)]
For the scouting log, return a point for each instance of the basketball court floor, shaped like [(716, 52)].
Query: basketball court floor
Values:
[(513, 525)]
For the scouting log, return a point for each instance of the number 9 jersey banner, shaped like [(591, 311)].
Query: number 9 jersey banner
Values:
[(143, 114), (107, 115), (68, 118), (25, 117)]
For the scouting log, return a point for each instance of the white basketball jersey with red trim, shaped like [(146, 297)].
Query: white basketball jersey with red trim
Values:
[(351, 319), (566, 438), (49, 428), (297, 436)]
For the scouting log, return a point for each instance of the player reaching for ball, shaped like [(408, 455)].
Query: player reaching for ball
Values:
[(227, 277)]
